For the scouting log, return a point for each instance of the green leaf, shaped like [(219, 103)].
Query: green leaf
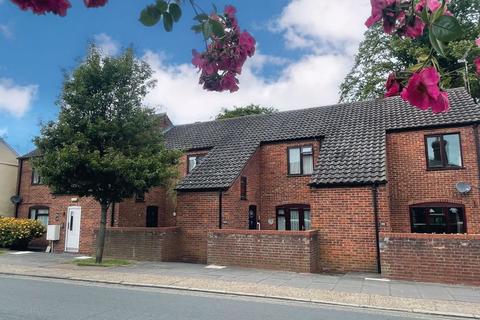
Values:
[(162, 6), (201, 17), (217, 28), (167, 21), (197, 28), (175, 11), (150, 16), (436, 44), (207, 30), (446, 28)]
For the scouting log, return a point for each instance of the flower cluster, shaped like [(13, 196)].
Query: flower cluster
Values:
[(477, 60), (58, 7), (14, 231), (400, 17), (225, 55)]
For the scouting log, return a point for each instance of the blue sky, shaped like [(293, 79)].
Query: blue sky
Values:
[(305, 48)]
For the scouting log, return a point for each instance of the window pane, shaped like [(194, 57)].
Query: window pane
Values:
[(33, 214), (306, 218), (36, 177), (434, 152), (192, 162), (436, 219), (281, 222), (419, 221), (307, 164), (294, 160), (456, 220), (307, 150), (452, 150), (294, 220), (43, 219)]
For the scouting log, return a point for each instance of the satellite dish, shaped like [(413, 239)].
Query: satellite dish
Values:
[(16, 199), (463, 187)]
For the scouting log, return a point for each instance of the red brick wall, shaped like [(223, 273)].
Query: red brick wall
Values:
[(410, 182), (196, 213), (235, 210), (151, 244), (431, 257), (291, 251), (345, 221), (277, 187)]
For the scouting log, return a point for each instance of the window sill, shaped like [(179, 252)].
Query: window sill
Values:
[(446, 169), (298, 175)]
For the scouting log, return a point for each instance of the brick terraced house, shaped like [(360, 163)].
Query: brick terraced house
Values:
[(360, 187)]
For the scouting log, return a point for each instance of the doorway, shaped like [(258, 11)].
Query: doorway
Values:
[(72, 234), (152, 217)]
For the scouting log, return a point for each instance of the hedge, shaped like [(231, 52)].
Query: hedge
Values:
[(17, 233)]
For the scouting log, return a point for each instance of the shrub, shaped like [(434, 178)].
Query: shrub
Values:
[(17, 233)]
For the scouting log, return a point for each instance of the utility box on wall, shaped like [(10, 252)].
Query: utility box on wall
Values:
[(53, 232)]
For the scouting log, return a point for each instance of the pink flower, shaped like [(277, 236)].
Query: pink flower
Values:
[(423, 92), (247, 43), (415, 29), (229, 82), (393, 86), (377, 11), (58, 7), (95, 3), (477, 64), (432, 5), (230, 10), (478, 42)]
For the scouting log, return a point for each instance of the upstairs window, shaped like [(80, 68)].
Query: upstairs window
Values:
[(300, 160), (293, 217), (438, 218), (36, 178), (443, 151), (40, 214), (193, 161), (243, 188)]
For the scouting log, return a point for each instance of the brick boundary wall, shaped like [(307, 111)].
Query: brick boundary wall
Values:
[(150, 244), (444, 258), (279, 250)]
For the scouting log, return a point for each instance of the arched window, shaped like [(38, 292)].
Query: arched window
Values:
[(438, 218), (40, 214), (293, 217)]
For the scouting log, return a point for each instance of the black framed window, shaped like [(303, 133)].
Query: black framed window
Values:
[(243, 188), (294, 217), (300, 160), (438, 218), (36, 178), (444, 151), (40, 214), (193, 161)]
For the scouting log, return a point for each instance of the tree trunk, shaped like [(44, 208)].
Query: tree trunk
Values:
[(101, 234)]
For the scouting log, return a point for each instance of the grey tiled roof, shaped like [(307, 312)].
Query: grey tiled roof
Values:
[(353, 138)]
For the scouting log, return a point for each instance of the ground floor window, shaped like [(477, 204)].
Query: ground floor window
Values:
[(294, 217), (438, 218), (40, 214)]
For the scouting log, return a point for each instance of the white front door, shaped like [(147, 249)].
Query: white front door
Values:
[(72, 235)]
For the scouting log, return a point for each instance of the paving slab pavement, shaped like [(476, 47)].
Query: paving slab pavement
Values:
[(364, 290)]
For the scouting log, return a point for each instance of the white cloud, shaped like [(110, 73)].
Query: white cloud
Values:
[(106, 44), (311, 81), (16, 99), (6, 31), (320, 24)]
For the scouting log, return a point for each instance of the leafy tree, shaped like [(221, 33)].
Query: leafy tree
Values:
[(105, 144), (379, 54), (251, 109)]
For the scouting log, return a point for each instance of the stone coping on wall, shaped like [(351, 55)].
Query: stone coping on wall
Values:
[(307, 233), (141, 229), (430, 236)]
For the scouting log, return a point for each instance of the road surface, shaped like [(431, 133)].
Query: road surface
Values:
[(35, 299)]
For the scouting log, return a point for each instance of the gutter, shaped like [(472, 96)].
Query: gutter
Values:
[(19, 181), (477, 148), (377, 223)]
